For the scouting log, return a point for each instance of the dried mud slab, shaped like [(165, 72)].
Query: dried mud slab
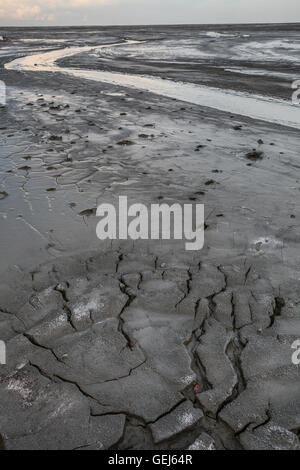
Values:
[(129, 350)]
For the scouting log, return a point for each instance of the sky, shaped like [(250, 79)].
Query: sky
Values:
[(130, 12)]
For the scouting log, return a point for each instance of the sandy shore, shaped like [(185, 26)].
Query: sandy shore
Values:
[(143, 345)]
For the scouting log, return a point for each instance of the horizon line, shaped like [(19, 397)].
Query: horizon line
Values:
[(150, 24)]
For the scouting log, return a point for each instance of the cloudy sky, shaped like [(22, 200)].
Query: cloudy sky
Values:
[(106, 12)]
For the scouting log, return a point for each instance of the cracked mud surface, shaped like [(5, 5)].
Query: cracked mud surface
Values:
[(135, 351), (134, 346)]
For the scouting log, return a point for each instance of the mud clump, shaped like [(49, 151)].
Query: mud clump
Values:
[(255, 155), (199, 147), (88, 212), (125, 142), (3, 195)]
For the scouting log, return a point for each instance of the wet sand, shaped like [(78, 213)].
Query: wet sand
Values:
[(195, 348)]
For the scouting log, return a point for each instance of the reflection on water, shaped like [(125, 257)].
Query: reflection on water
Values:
[(257, 107)]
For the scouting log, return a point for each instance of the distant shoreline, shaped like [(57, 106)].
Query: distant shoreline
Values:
[(297, 23)]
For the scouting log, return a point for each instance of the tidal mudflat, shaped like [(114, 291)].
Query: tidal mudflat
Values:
[(143, 345)]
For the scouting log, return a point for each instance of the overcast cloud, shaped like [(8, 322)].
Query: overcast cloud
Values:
[(106, 12)]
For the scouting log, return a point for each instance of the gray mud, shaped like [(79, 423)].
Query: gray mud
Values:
[(144, 345)]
